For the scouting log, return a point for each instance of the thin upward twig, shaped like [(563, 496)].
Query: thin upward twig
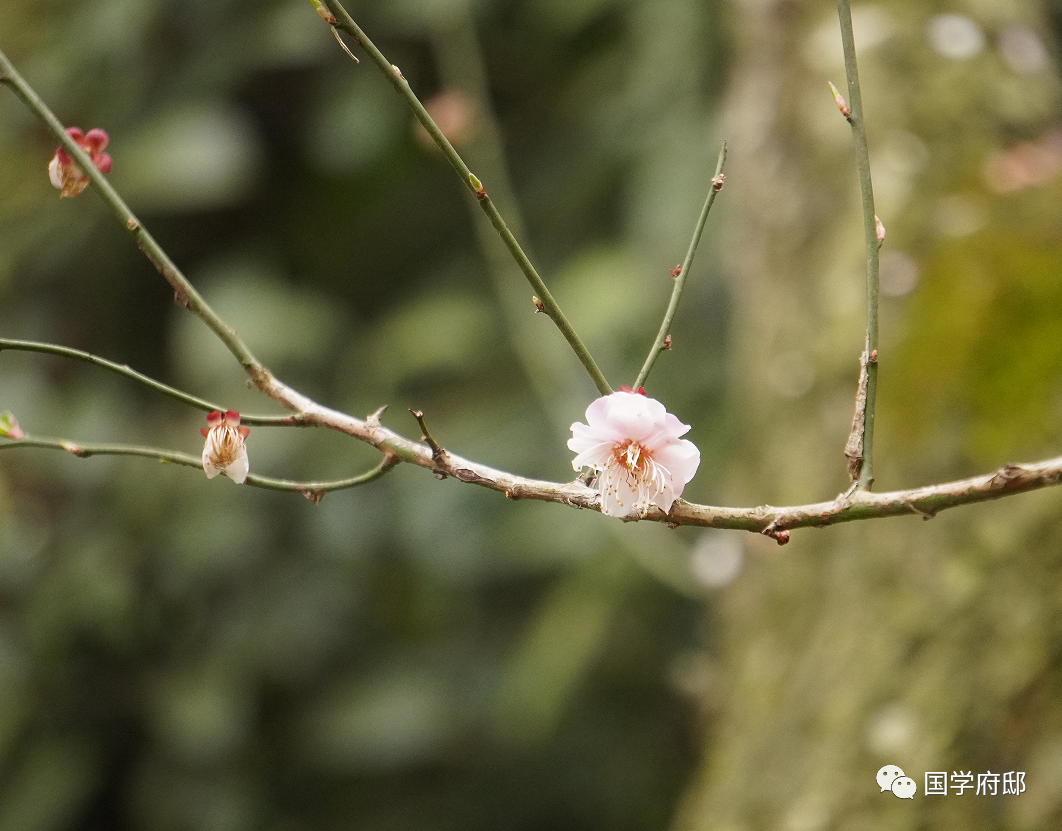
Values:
[(661, 343), (549, 305), (861, 442)]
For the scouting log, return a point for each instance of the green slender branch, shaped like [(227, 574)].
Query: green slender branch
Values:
[(861, 443), (343, 20), (140, 378), (662, 343), (184, 293), (84, 451)]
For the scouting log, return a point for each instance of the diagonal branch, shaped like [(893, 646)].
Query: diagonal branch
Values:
[(184, 293), (550, 306)]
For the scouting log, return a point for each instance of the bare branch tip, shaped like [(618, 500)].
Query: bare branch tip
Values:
[(437, 452)]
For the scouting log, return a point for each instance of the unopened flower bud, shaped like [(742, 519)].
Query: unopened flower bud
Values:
[(838, 99), (9, 428)]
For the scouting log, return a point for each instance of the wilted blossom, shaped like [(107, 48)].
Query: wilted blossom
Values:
[(64, 172), (633, 443), (225, 451)]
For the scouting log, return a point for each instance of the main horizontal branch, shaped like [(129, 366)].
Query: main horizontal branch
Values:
[(773, 521)]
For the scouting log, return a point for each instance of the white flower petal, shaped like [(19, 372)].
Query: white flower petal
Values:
[(238, 470), (55, 174)]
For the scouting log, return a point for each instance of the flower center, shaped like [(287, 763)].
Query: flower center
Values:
[(225, 444), (632, 456)]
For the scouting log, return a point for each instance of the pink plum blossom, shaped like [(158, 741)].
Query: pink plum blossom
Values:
[(225, 451), (64, 172), (633, 444)]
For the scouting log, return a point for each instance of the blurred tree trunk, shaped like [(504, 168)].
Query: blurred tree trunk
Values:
[(926, 645)]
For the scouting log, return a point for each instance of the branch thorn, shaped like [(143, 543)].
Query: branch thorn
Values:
[(339, 40)]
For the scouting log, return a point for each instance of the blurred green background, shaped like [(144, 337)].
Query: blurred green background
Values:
[(415, 654)]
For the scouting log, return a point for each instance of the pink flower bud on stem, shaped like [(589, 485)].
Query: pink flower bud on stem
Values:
[(838, 99), (9, 427)]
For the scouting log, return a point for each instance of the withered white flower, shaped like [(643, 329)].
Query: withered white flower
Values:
[(633, 443), (225, 451)]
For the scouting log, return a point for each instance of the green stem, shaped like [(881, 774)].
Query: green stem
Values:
[(184, 293), (122, 369), (549, 304), (660, 344), (174, 457), (866, 189)]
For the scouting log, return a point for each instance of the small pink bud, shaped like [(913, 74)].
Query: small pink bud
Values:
[(9, 427), (838, 99), (63, 172), (879, 230)]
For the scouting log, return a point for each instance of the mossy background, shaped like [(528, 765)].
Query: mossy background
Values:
[(184, 654)]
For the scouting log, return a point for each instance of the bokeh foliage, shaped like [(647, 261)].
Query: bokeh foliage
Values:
[(178, 654)]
